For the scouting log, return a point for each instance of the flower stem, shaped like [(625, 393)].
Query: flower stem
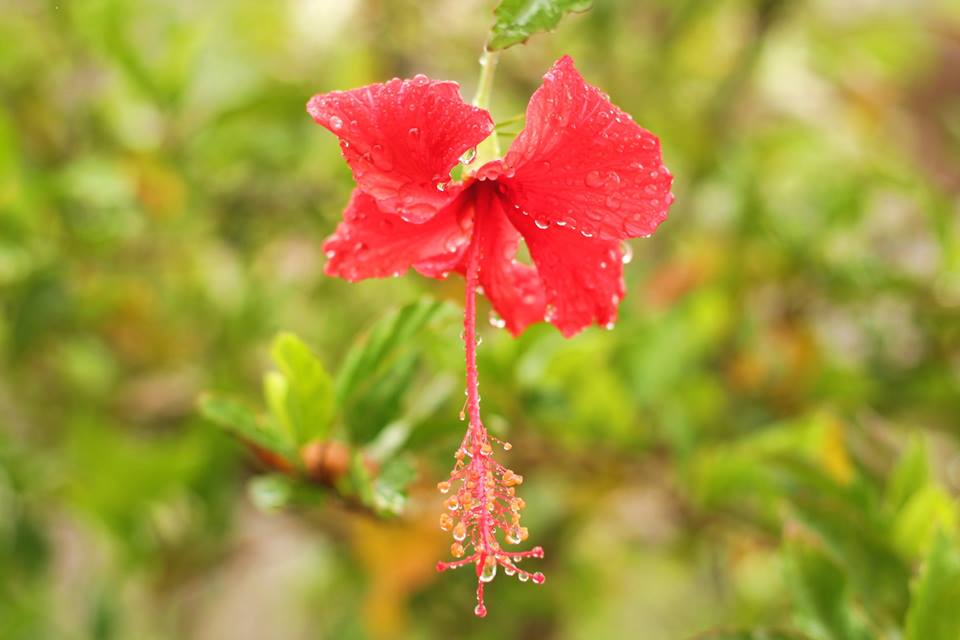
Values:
[(489, 149)]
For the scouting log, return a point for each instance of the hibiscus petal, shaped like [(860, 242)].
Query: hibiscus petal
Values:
[(402, 138), (583, 163), (582, 277), (513, 289), (372, 244)]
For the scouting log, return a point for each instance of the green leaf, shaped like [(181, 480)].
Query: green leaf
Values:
[(271, 492), (379, 368), (242, 423), (823, 597), (911, 475), (752, 634), (305, 404), (933, 613), (517, 20), (390, 487)]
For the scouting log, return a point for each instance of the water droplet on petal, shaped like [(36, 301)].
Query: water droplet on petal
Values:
[(468, 155), (594, 180), (381, 158), (414, 133), (335, 123), (420, 79), (627, 252), (541, 222)]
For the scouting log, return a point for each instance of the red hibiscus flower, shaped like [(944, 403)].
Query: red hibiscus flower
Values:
[(578, 180)]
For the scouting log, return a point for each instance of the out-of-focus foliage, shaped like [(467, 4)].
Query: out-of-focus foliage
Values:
[(764, 447)]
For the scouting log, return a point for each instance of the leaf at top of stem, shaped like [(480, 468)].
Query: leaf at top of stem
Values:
[(517, 20)]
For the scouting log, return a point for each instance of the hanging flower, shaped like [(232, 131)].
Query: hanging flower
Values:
[(581, 178)]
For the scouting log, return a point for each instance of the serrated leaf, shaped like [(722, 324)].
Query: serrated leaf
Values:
[(517, 20), (237, 419), (933, 612), (305, 406)]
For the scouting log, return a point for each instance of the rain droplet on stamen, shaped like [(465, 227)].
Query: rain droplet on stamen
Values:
[(497, 321), (627, 252), (489, 571)]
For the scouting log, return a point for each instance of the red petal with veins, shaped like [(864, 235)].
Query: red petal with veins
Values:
[(402, 138), (372, 244), (583, 163), (582, 277), (513, 289)]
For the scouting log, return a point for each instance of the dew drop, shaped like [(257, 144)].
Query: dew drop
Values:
[(468, 155), (541, 222), (414, 133), (586, 233), (612, 180), (627, 252), (497, 321), (480, 611), (508, 570), (420, 79), (594, 180), (539, 578), (523, 577), (381, 158), (330, 253), (335, 123), (489, 570)]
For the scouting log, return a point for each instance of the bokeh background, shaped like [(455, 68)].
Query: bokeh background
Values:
[(768, 440)]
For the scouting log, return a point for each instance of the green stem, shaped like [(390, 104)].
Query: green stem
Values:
[(489, 149)]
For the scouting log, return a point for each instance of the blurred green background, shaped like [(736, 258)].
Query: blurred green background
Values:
[(766, 446)]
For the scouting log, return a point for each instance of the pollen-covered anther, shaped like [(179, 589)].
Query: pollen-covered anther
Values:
[(446, 522)]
